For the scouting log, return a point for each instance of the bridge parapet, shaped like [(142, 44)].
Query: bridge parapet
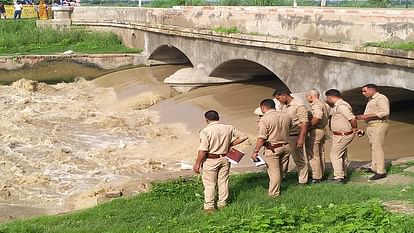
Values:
[(337, 25)]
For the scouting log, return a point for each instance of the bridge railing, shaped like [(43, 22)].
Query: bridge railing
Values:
[(327, 3)]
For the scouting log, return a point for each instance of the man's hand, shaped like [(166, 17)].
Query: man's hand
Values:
[(196, 168), (201, 157), (360, 117), (300, 142), (254, 156)]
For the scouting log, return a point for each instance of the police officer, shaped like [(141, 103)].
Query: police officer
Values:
[(274, 135), (376, 115), (315, 141), (343, 125), (299, 116), (215, 141)]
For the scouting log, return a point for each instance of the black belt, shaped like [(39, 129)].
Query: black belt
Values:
[(293, 135)]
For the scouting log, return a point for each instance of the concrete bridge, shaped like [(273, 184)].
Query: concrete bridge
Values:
[(302, 48)]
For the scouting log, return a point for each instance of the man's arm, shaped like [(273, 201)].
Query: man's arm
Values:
[(354, 125), (238, 140), (304, 123), (381, 114), (303, 130), (314, 121), (368, 117), (259, 143), (202, 155)]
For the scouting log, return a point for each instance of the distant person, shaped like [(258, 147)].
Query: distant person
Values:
[(18, 10), (2, 10), (274, 136), (343, 125), (215, 141), (318, 117), (376, 116), (299, 116)]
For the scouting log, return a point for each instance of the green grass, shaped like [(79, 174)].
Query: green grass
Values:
[(226, 29), (23, 37), (407, 45), (176, 207)]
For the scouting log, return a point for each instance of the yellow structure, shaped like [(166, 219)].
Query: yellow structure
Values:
[(28, 11)]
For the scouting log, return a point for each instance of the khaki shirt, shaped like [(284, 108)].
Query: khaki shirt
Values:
[(379, 105), (298, 113), (274, 127), (341, 114), (320, 110), (216, 138)]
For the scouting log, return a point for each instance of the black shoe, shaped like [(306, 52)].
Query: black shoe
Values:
[(367, 170), (337, 180), (377, 176), (316, 181)]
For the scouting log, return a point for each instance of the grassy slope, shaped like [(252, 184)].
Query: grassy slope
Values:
[(23, 37), (176, 207)]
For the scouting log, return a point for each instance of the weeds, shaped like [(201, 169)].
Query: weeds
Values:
[(226, 30), (406, 46)]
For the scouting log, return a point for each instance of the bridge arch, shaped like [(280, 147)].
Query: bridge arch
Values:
[(246, 70), (167, 54)]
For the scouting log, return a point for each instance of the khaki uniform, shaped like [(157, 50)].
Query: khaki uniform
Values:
[(274, 128), (379, 105), (341, 114), (298, 114), (316, 139), (216, 139)]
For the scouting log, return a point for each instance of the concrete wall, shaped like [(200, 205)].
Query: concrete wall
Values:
[(348, 26)]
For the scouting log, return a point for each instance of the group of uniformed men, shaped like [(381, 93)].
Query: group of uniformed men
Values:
[(287, 129)]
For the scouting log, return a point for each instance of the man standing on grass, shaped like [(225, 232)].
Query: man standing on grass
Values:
[(315, 141), (376, 115), (2, 10), (17, 10), (274, 136), (215, 141), (343, 125), (299, 116)]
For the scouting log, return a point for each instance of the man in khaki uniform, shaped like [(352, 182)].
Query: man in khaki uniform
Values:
[(215, 141), (376, 115), (274, 135), (343, 125), (319, 115), (299, 116)]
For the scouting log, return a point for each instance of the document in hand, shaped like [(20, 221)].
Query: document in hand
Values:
[(234, 156), (259, 161)]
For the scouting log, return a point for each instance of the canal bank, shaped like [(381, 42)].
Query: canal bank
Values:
[(55, 68)]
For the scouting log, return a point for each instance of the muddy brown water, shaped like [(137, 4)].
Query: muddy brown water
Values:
[(53, 72), (113, 111)]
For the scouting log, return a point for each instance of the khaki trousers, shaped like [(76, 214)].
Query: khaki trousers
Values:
[(316, 153), (275, 169), (215, 173), (376, 134), (298, 155), (339, 155)]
